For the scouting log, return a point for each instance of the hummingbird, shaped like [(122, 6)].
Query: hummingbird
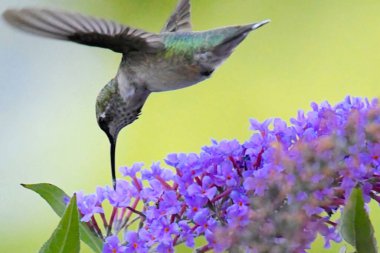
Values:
[(174, 58)]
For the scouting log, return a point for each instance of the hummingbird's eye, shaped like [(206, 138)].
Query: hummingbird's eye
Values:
[(103, 122), (207, 72)]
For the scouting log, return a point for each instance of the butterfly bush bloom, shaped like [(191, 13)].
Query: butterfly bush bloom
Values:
[(273, 193)]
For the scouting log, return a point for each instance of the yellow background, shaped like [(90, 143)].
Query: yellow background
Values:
[(313, 50)]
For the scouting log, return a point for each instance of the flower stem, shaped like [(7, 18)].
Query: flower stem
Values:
[(104, 220), (114, 213), (222, 195), (203, 249), (96, 227)]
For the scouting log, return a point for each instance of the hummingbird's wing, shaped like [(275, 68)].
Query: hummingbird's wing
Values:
[(179, 21), (83, 29)]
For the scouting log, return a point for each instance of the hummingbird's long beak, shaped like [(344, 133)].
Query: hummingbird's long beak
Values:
[(260, 24), (112, 155)]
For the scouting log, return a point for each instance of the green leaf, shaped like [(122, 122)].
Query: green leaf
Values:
[(65, 238), (355, 226), (55, 196), (52, 194)]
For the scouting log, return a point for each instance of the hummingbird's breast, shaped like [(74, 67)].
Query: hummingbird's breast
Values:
[(158, 72)]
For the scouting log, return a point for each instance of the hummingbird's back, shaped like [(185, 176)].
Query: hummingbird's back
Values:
[(190, 43), (188, 58)]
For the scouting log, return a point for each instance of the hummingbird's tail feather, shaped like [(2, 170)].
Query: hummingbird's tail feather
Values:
[(226, 47)]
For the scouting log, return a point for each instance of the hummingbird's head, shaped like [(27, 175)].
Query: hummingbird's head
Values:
[(105, 114), (115, 111), (108, 120)]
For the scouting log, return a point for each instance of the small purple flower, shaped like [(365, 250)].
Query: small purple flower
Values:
[(157, 172), (194, 204), (204, 221), (169, 203), (154, 192), (123, 194), (112, 245), (165, 248), (311, 209), (226, 174), (205, 190), (329, 234), (257, 183), (135, 243), (146, 235), (164, 230), (229, 148), (239, 210), (186, 234), (261, 127), (131, 171), (88, 205), (101, 194)]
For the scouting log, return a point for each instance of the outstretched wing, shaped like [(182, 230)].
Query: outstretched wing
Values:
[(83, 29), (179, 21)]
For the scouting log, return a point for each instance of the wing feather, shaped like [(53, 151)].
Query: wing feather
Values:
[(179, 21), (83, 29)]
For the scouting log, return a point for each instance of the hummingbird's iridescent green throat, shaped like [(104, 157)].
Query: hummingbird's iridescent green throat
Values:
[(175, 58)]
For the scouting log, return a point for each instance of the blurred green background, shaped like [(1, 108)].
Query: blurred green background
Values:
[(312, 51)]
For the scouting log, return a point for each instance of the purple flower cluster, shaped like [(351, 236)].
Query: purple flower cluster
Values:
[(273, 193)]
